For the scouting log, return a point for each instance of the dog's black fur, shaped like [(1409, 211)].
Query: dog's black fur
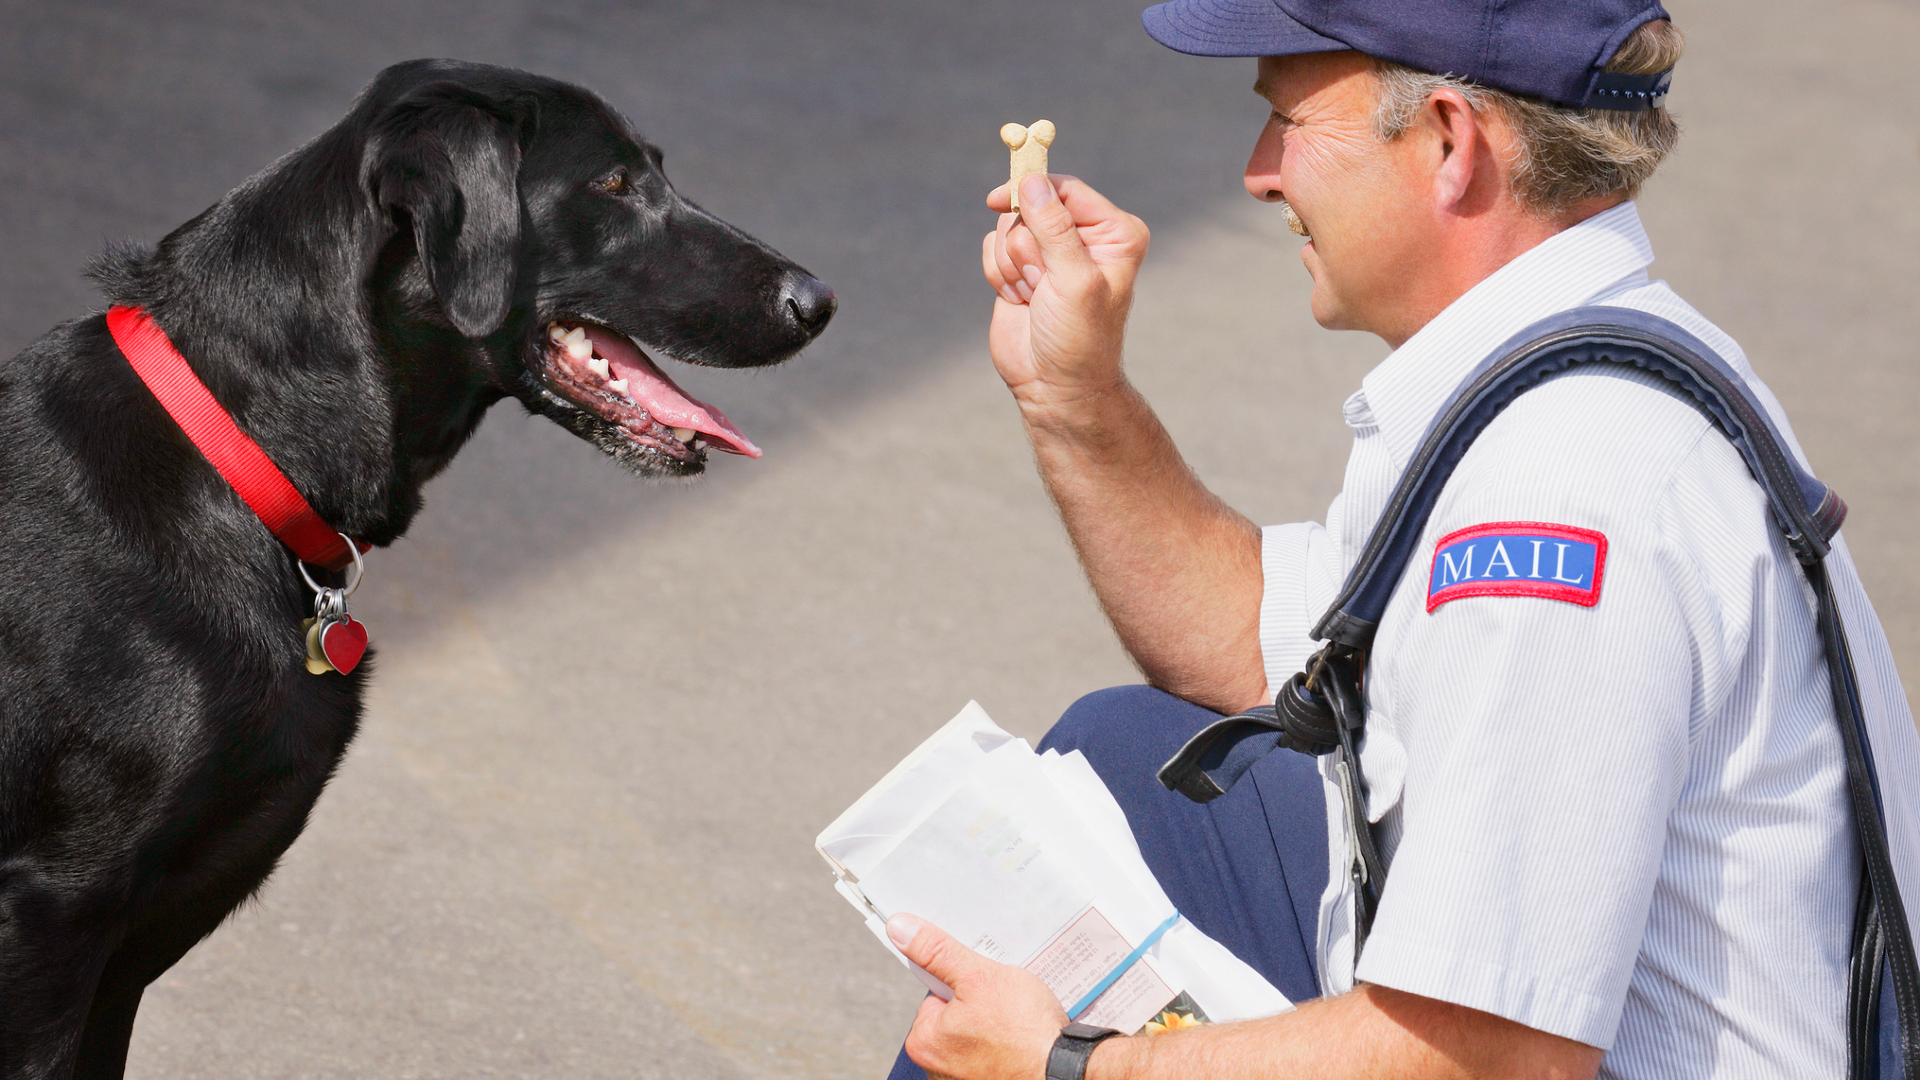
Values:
[(356, 307)]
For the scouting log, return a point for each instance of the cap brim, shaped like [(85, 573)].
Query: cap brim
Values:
[(1232, 28)]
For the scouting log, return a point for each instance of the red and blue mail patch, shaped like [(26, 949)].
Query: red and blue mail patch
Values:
[(1518, 558)]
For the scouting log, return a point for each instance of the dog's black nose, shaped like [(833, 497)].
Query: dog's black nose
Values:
[(808, 300)]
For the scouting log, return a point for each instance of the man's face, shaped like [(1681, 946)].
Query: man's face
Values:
[(1361, 199)]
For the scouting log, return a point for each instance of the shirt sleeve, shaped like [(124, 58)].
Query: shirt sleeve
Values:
[(1524, 753), (1301, 571)]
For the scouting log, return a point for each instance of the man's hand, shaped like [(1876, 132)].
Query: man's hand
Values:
[(1064, 269), (1002, 1020)]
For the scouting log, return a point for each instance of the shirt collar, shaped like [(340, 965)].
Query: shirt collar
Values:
[(1600, 256)]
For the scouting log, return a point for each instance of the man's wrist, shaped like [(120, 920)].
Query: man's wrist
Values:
[(1114, 1059), (1085, 413)]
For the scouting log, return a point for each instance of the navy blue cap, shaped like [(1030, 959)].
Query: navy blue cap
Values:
[(1551, 49)]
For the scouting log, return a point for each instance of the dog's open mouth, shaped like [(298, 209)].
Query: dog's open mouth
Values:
[(602, 371)]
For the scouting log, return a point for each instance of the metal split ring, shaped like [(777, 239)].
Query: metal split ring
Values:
[(329, 604), (353, 579)]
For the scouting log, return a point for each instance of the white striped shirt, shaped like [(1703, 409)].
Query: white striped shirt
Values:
[(1625, 824)]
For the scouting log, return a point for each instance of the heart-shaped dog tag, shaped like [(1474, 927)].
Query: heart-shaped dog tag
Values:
[(343, 642)]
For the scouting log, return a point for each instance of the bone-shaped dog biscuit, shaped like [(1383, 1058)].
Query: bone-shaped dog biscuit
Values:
[(1027, 148)]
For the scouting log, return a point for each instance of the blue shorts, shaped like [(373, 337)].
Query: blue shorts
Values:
[(1247, 868)]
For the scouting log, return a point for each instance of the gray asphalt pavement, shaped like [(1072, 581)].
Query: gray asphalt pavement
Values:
[(575, 837)]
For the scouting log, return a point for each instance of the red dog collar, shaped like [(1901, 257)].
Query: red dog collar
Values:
[(238, 458)]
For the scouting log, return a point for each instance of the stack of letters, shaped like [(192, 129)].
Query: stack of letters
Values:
[(1027, 858)]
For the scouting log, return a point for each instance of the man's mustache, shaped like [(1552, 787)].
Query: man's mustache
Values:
[(1293, 220)]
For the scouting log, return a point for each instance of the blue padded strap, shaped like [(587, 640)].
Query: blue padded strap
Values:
[(1808, 512)]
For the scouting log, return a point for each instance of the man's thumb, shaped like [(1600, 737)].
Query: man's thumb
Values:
[(1051, 224), (930, 947)]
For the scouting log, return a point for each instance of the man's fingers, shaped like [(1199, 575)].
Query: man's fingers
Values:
[(1005, 257), (990, 266), (1023, 251), (1085, 204), (1053, 228), (1045, 237), (925, 1031), (930, 947), (1019, 256)]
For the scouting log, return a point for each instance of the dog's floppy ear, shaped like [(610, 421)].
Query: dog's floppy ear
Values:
[(449, 158)]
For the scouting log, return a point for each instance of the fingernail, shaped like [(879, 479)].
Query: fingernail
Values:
[(1006, 291), (1036, 190), (1032, 275), (1025, 290), (903, 928)]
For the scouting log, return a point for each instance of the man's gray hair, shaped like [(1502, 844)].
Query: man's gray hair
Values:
[(1564, 156)]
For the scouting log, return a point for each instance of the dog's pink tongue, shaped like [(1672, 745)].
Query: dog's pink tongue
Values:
[(649, 387)]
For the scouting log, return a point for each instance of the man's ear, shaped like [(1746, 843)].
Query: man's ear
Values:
[(1460, 148), (448, 159)]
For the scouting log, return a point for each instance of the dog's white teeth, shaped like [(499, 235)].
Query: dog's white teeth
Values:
[(618, 386), (579, 349), (698, 444), (684, 434), (597, 364), (556, 333), (578, 333)]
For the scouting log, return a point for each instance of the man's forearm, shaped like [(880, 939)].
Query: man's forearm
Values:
[(1372, 1031), (1307, 1044), (1177, 571)]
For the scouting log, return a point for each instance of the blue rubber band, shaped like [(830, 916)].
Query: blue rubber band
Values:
[(1121, 968)]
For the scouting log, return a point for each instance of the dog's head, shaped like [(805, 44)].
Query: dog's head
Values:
[(531, 219)]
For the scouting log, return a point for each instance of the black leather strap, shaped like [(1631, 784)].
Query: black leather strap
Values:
[(1068, 1058), (1883, 940), (1318, 711)]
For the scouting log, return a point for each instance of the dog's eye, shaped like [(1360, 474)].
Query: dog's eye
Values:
[(614, 183)]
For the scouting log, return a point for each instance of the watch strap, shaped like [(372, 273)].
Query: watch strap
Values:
[(1068, 1058)]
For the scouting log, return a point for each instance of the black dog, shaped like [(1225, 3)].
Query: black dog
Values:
[(357, 308)]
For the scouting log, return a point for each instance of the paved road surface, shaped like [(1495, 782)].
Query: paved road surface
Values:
[(574, 840)]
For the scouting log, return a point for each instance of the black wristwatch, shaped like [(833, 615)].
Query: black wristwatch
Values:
[(1068, 1058)]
